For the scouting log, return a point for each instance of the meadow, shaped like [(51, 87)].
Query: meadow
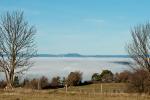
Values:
[(88, 92)]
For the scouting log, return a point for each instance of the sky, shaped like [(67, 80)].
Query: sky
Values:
[(81, 26)]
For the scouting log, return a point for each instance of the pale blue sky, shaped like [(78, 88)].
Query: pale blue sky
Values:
[(81, 26)]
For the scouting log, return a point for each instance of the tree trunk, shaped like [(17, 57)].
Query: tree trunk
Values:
[(9, 85)]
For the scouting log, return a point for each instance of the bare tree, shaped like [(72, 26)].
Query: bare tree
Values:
[(139, 49), (16, 45)]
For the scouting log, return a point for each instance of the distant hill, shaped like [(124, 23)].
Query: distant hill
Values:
[(72, 55), (79, 55)]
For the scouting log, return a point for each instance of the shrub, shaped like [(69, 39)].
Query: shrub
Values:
[(87, 83), (106, 76), (32, 84), (55, 82), (44, 82), (16, 81), (41, 83), (25, 82), (63, 81), (74, 78), (139, 81), (96, 77), (122, 76), (3, 84)]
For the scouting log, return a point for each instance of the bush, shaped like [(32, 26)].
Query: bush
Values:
[(32, 84), (122, 76), (96, 77), (44, 82), (16, 81), (139, 81), (25, 83), (74, 78), (41, 83), (106, 76), (3, 84), (55, 82), (63, 81), (86, 83)]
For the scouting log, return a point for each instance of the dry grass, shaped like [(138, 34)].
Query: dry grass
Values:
[(106, 88), (74, 93)]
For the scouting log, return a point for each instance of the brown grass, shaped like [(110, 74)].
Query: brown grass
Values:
[(89, 92)]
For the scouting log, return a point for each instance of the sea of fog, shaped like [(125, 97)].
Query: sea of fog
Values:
[(62, 66)]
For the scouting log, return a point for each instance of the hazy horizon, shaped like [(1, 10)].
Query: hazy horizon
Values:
[(81, 55), (57, 66)]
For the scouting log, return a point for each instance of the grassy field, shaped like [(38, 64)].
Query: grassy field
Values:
[(89, 92)]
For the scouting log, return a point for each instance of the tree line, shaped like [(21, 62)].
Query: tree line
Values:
[(73, 79), (136, 81)]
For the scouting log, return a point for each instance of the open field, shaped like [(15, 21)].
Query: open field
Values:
[(89, 92)]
